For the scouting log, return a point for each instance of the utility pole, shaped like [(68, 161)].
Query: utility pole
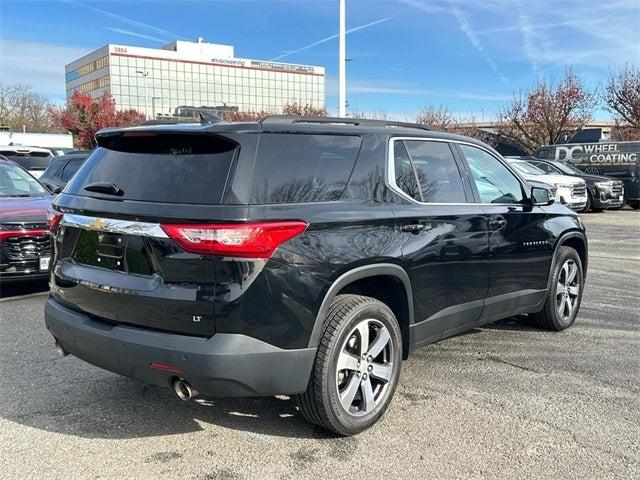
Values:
[(146, 96), (342, 61)]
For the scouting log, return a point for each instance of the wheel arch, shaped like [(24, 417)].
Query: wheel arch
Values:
[(576, 240), (382, 281)]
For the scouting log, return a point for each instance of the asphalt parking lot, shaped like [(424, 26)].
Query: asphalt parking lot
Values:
[(507, 400)]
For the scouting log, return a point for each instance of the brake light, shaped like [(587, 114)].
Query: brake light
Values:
[(247, 240), (4, 234), (53, 220)]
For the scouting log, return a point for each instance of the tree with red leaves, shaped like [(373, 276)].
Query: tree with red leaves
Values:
[(548, 113), (305, 111), (84, 116)]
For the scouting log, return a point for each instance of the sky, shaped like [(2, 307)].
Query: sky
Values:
[(469, 55)]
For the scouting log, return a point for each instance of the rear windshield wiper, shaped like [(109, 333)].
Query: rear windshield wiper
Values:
[(104, 187)]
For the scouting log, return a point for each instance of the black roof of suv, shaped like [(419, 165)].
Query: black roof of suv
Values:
[(299, 256)]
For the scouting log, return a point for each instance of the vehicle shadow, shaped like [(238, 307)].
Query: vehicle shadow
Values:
[(522, 323), (97, 404), (23, 288), (71, 397)]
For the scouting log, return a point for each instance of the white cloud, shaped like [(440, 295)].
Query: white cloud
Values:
[(331, 37), (129, 21), (407, 89), (592, 34), (38, 64), (137, 35), (470, 33), (463, 23)]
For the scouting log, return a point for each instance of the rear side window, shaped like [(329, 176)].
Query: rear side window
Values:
[(301, 168), (71, 168), (166, 168), (427, 172)]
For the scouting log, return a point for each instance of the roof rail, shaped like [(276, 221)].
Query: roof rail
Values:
[(364, 122)]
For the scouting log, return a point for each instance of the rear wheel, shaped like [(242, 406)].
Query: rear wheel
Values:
[(563, 302), (357, 366)]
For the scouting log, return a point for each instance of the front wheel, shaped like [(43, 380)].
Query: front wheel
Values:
[(587, 205), (357, 366), (565, 294), (635, 204)]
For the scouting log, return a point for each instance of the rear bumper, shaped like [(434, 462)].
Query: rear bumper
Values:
[(226, 365), (23, 276)]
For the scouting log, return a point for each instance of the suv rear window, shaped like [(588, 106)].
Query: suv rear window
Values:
[(301, 168), (164, 168)]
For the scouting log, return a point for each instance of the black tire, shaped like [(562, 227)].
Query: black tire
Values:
[(549, 317), (321, 403), (587, 207), (635, 204)]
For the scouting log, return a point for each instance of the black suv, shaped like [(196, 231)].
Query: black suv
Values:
[(299, 256)]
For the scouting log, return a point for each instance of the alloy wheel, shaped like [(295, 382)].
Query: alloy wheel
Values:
[(364, 367), (567, 290)]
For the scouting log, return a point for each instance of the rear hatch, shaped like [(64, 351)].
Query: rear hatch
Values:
[(114, 259)]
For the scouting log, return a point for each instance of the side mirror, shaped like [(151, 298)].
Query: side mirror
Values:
[(541, 196), (53, 188)]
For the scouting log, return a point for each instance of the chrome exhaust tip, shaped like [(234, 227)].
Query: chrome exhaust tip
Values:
[(60, 349), (183, 390)]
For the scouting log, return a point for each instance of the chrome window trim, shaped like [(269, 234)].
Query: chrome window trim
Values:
[(113, 225), (391, 172)]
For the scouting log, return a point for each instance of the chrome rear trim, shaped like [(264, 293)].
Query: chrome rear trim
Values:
[(112, 225)]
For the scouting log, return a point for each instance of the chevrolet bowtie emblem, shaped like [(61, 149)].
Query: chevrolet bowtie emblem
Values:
[(98, 223)]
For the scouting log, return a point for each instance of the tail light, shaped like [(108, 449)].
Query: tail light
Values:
[(247, 240), (53, 220)]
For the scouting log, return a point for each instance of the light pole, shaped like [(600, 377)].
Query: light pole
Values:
[(342, 74), (153, 106), (145, 74)]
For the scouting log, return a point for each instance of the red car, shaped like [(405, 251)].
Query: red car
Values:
[(25, 243)]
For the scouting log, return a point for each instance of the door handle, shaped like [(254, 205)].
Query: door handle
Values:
[(414, 228), (497, 223)]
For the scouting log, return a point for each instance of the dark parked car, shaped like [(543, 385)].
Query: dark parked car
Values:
[(25, 242), (299, 256), (61, 169), (60, 151), (602, 192)]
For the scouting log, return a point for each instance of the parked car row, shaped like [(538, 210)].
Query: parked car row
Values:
[(571, 173), (35, 159), (617, 161), (576, 188), (299, 256)]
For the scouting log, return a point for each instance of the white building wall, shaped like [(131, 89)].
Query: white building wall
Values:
[(200, 75)]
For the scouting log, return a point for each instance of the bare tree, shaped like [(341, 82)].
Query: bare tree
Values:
[(20, 108), (378, 114), (622, 97), (438, 118), (441, 118), (547, 112)]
